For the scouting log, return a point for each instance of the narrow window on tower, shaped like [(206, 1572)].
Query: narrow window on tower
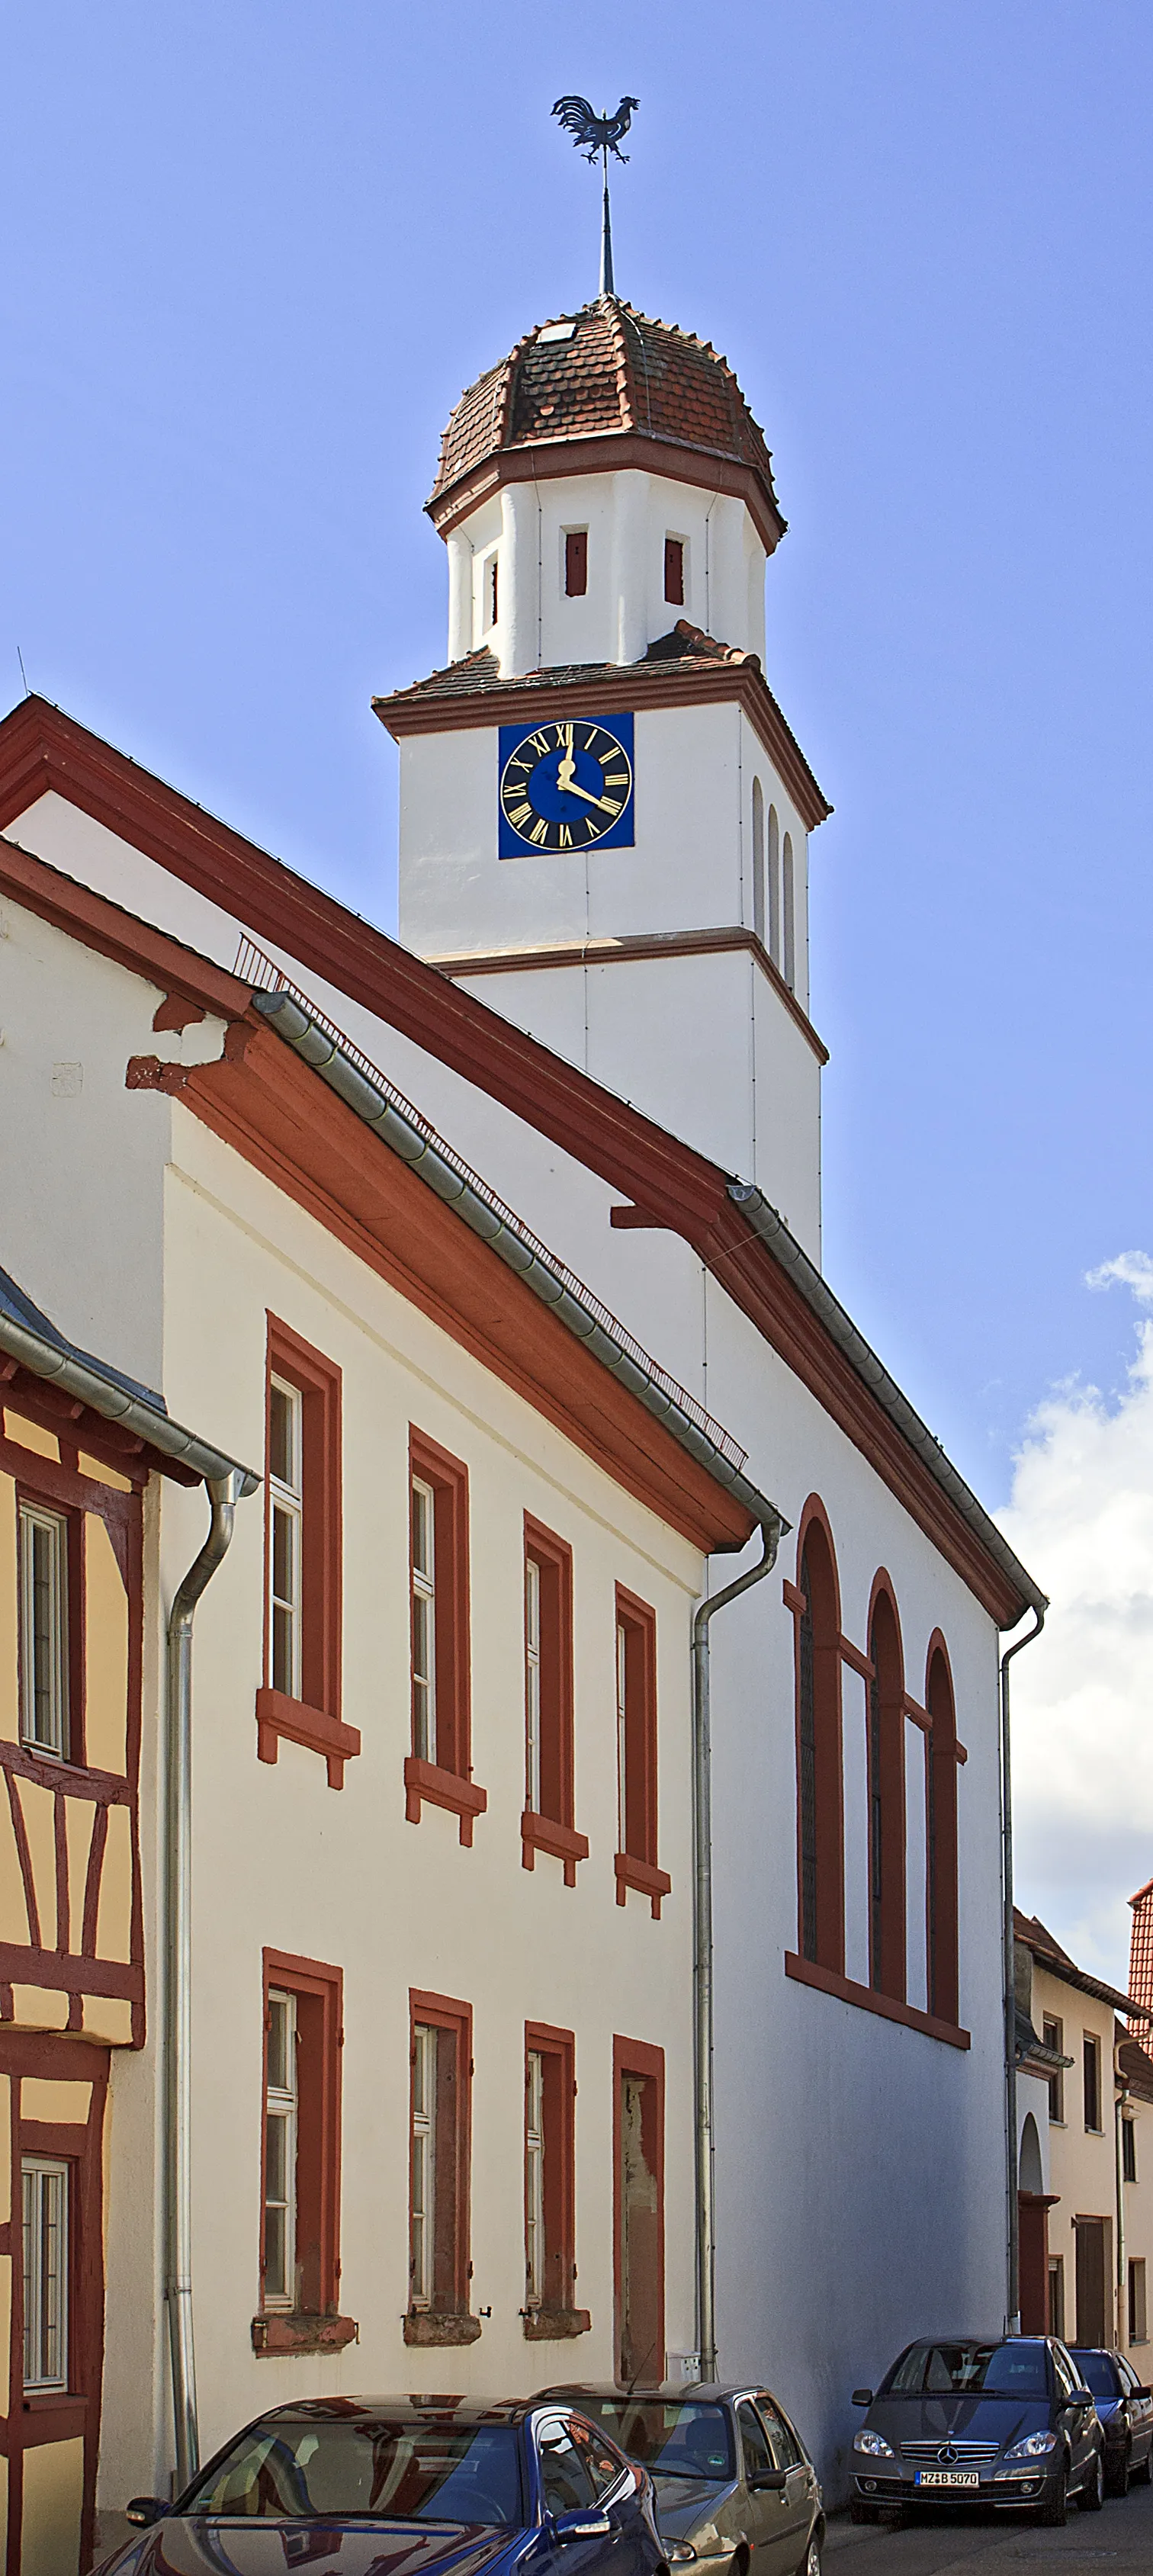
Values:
[(491, 591), (576, 562), (774, 872), (758, 859), (675, 571)]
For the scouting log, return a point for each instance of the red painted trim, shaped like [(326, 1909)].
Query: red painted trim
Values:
[(888, 1970), (637, 2057), (191, 985), (277, 1716), (642, 948), (856, 1661), (557, 2048), (72, 1976), (815, 1538), (319, 1992), (448, 1478), (542, 1833), (941, 1875), (645, 1877), (638, 1790), (808, 1972), (444, 2012), (608, 452), (426, 1780), (553, 1559)]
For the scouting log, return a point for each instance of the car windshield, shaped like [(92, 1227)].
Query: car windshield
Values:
[(971, 2370), (1097, 2370), (293, 2466), (675, 2438)]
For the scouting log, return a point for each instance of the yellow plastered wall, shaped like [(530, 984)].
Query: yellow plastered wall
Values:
[(106, 1652), (13, 1902), (39, 2008), (103, 1475), (53, 2501), (114, 1920), (5, 2328), (30, 1436), (9, 1682), (108, 2017), (38, 1808), (54, 2097), (79, 1819)]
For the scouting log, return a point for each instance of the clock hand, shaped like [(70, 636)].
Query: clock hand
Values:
[(570, 788)]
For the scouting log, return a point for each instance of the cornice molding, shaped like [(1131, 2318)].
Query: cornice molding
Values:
[(610, 451), (644, 948)]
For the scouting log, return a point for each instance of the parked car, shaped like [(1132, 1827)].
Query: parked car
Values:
[(387, 2483), (1008, 2422), (1125, 2407), (735, 2487)]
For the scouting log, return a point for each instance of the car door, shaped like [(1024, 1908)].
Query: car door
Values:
[(767, 2509), (798, 2504), (620, 2489), (1140, 2409), (567, 2487), (1076, 2420)]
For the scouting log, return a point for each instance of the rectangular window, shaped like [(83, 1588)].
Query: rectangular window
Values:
[(280, 2153), (1091, 2065), (1052, 2034), (1057, 2296), (548, 1674), (44, 1628), (638, 2211), (440, 2058), (549, 2177), (1138, 2326), (636, 1688), (303, 1510), (675, 571), (45, 2212), (1129, 2150), (440, 1607), (576, 562), (300, 2148), (491, 591)]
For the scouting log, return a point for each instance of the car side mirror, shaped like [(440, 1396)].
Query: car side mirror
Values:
[(770, 2478), (862, 2397), (583, 2525), (1082, 2396), (145, 2510), (1142, 2392)]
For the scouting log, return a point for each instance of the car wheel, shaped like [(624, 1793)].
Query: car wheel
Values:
[(1055, 2510), (1144, 2475), (1093, 2491), (1118, 2479), (811, 2562)]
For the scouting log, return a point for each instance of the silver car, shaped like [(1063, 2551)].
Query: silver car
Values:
[(737, 2494)]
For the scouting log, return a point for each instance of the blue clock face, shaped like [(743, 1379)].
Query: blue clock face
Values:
[(566, 785)]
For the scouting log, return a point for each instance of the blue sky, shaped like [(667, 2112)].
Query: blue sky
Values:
[(252, 255)]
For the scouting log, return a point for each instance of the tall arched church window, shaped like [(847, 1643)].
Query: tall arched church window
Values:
[(758, 859), (942, 1837), (789, 914), (820, 1831), (774, 887), (886, 1770)]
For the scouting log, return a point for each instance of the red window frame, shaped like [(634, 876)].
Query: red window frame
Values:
[(636, 1863), (576, 562), (74, 1516), (886, 1782), (452, 2215), (319, 1993), (447, 1781), (549, 1826), (943, 1757), (556, 2313), (675, 571), (815, 1602), (637, 2057), (313, 1719)]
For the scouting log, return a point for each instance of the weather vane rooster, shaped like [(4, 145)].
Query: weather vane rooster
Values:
[(592, 134)]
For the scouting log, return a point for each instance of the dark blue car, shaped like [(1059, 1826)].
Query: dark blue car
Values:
[(360, 2486)]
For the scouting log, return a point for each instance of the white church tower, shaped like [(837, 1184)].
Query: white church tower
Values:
[(604, 815)]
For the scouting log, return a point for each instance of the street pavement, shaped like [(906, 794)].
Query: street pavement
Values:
[(948, 2538)]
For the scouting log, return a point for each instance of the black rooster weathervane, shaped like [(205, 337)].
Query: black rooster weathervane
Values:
[(593, 134)]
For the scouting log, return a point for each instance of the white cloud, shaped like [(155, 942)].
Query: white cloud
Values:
[(1081, 1518)]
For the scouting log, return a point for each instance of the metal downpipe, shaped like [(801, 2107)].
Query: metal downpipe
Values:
[(772, 1532), (223, 1493), (1013, 2295)]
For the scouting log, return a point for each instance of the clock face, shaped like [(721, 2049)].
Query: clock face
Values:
[(566, 784)]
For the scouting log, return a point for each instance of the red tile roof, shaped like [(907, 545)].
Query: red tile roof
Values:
[(618, 373)]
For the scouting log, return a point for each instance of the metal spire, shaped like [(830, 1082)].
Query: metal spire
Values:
[(595, 134)]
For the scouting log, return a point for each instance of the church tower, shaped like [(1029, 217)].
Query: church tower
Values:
[(604, 816)]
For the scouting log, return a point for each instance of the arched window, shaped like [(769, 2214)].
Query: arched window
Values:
[(942, 1836), (758, 859), (774, 887), (820, 1834), (886, 1801), (789, 911)]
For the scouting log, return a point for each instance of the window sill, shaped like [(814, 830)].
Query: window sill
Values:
[(52, 2415), (277, 1715), (828, 1981), (442, 1789), (650, 1882), (286, 2330), (543, 1833), (421, 2326), (554, 2325)]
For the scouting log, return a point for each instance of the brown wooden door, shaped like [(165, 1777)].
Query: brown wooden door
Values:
[(641, 2302), (1033, 2262), (1092, 2315)]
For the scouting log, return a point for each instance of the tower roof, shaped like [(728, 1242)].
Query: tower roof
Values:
[(598, 389)]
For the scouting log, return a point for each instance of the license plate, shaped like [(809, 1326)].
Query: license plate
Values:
[(947, 2478)]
